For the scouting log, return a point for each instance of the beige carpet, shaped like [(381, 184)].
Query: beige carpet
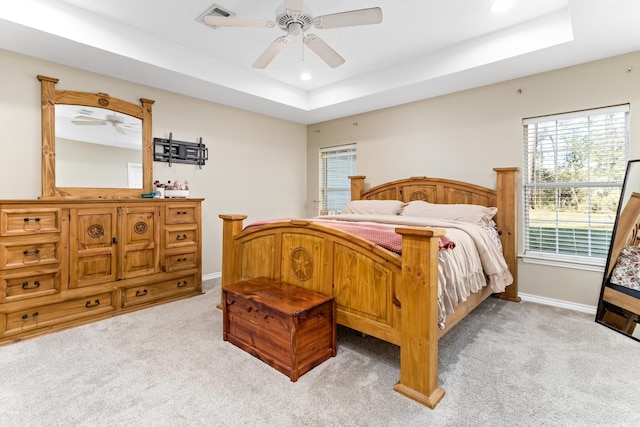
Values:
[(506, 364)]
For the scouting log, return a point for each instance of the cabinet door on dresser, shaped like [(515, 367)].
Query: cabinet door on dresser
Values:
[(139, 241), (93, 246)]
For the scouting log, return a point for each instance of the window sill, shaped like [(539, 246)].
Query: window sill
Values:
[(578, 264)]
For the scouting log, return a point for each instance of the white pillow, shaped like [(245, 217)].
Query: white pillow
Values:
[(373, 207), (475, 214)]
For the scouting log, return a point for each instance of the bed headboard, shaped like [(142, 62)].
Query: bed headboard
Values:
[(433, 190), (438, 190)]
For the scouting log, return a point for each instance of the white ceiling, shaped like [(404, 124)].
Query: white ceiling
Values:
[(423, 48)]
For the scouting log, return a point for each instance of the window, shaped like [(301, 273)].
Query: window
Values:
[(574, 170), (336, 165)]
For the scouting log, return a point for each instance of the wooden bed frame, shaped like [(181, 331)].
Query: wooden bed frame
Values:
[(377, 292)]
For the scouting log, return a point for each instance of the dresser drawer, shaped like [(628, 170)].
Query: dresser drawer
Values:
[(157, 291), (180, 237), (181, 261), (53, 314), (22, 222), (29, 285), (184, 213), (29, 254)]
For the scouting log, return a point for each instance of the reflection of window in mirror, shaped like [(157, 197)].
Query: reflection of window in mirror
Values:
[(135, 175), (94, 147)]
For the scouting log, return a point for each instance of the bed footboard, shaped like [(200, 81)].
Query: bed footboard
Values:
[(376, 291)]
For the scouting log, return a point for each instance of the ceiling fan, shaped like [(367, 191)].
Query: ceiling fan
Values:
[(110, 119), (294, 20)]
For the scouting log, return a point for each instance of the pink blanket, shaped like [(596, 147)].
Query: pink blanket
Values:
[(381, 235)]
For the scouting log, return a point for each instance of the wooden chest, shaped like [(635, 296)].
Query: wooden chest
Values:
[(290, 328)]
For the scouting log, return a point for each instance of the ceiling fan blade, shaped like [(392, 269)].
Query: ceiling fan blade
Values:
[(221, 21), (323, 50), (349, 19), (88, 118), (271, 52), (88, 122), (120, 130), (293, 4)]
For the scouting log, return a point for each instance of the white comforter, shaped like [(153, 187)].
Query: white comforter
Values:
[(475, 261)]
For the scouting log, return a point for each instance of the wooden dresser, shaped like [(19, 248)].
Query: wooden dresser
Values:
[(68, 262)]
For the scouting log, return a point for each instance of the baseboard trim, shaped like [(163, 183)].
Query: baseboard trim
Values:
[(211, 276), (583, 308)]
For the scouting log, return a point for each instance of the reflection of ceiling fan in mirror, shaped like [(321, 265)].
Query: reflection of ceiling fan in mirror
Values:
[(110, 119), (295, 21)]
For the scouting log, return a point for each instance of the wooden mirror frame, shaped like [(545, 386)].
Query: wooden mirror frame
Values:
[(50, 97)]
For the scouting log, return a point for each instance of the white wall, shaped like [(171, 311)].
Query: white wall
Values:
[(247, 151), (464, 135), (460, 136)]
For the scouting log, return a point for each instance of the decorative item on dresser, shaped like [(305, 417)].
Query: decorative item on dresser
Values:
[(68, 262), (377, 291)]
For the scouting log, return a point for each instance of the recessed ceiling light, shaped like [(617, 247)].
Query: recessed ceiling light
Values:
[(305, 76), (501, 5)]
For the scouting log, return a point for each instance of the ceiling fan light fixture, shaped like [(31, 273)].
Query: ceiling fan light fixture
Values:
[(295, 29)]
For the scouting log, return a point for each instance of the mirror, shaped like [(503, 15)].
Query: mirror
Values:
[(84, 134), (93, 145), (619, 305)]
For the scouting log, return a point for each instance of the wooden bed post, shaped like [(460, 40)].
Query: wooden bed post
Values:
[(506, 220), (357, 186), (419, 320), (231, 226)]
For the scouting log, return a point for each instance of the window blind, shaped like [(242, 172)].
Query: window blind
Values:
[(336, 165), (574, 171)]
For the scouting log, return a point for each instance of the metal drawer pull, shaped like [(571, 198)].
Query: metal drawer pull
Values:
[(183, 237), (90, 305), (182, 284), (141, 293), (26, 316), (32, 219), (36, 285), (181, 213), (32, 252), (181, 259)]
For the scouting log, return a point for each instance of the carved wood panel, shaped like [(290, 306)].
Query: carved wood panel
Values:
[(257, 257), (92, 250), (361, 284)]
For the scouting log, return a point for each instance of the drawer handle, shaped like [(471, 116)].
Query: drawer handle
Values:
[(26, 316), (182, 284), (36, 219), (36, 285), (31, 252), (183, 237), (141, 293), (90, 305), (181, 259), (181, 213)]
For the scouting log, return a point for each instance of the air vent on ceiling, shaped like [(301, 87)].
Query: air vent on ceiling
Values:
[(214, 10)]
